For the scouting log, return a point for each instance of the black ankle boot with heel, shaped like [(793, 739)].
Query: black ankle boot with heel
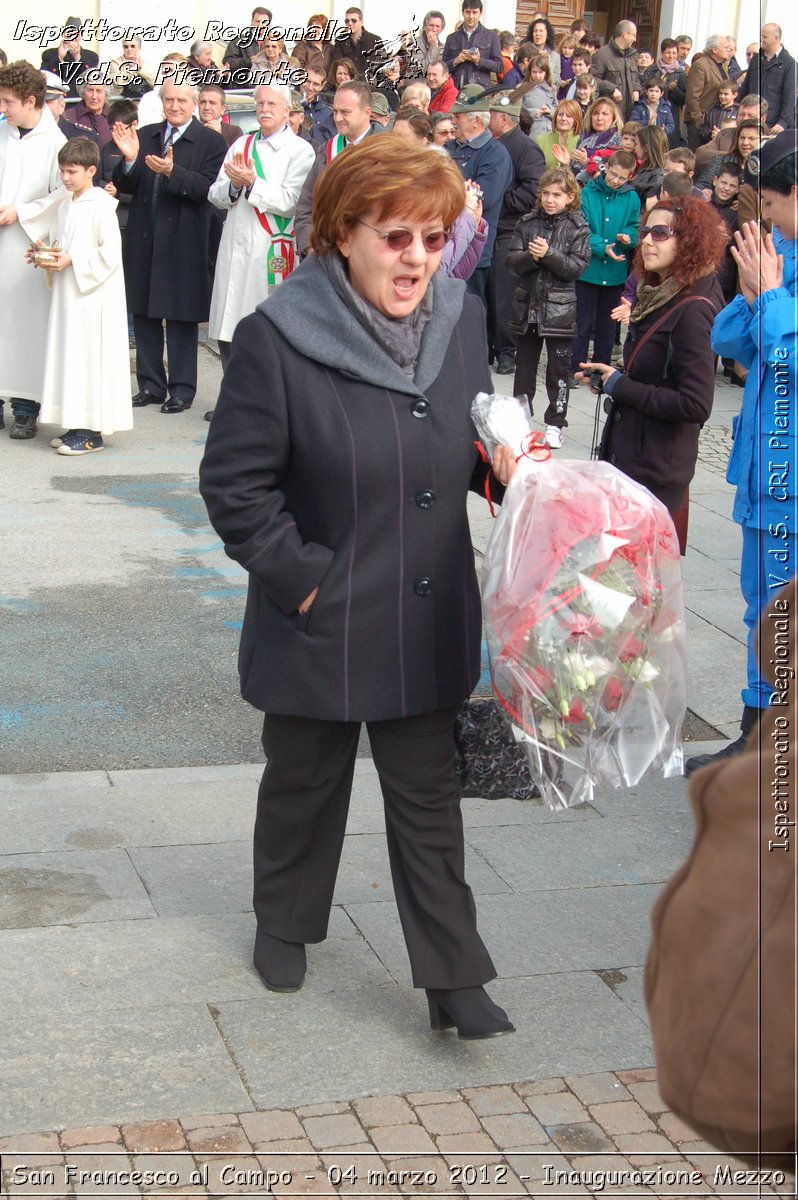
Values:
[(470, 1010)]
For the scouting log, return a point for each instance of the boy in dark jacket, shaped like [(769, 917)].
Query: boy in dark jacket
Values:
[(549, 249), (725, 189)]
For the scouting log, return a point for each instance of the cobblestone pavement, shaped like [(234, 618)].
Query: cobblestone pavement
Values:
[(714, 447), (542, 1137)]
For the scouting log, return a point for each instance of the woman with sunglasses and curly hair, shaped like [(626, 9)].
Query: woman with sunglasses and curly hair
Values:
[(658, 403), (336, 472)]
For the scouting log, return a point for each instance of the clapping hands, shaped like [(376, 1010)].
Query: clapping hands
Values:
[(237, 171)]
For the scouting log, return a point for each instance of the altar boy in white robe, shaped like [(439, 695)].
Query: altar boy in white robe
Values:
[(29, 185), (86, 360)]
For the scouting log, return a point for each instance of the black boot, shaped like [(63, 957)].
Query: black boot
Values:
[(750, 719), (281, 965), (470, 1010)]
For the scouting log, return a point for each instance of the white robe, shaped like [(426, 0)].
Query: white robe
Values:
[(29, 179), (241, 280), (87, 355)]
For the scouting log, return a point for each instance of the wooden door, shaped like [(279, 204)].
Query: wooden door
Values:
[(646, 16), (560, 12)]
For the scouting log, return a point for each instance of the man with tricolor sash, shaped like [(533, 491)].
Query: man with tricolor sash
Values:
[(259, 183), (352, 116)]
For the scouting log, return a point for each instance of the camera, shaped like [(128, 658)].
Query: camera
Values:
[(595, 380)]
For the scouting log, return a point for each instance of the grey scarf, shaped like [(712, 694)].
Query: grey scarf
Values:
[(400, 337)]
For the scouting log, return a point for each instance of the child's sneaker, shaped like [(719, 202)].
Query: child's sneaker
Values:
[(553, 437), (62, 437), (82, 442)]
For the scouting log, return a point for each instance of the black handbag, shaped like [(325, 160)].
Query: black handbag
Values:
[(489, 761)]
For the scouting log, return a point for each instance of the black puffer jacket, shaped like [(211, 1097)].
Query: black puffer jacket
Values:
[(546, 296)]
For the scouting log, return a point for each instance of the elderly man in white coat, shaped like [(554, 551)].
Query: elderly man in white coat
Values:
[(259, 182), (29, 184)]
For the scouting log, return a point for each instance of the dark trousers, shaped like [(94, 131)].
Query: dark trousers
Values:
[(694, 139), (558, 361), (301, 820), (477, 285), (594, 304), (225, 350), (182, 339), (501, 286)]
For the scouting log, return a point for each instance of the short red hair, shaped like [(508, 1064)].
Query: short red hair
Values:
[(394, 178), (702, 239)]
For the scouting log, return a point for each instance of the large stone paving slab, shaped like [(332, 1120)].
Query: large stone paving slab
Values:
[(331, 1046), (69, 888), (536, 934), (168, 961), (74, 1069), (637, 848), (198, 880), (158, 814)]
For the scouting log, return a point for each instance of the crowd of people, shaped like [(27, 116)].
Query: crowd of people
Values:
[(576, 187)]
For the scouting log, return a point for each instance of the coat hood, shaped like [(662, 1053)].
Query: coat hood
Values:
[(337, 339), (599, 182)]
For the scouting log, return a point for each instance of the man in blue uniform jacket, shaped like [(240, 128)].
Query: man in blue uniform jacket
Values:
[(760, 330)]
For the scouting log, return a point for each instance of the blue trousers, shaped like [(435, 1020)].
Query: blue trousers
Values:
[(767, 560)]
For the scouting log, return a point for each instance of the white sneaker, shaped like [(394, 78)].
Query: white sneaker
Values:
[(553, 437)]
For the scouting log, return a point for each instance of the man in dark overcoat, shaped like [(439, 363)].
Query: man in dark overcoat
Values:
[(168, 168), (772, 75)]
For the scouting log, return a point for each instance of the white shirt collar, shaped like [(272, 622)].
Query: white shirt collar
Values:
[(275, 139)]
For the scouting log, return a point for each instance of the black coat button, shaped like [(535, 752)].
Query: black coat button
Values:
[(420, 408), (425, 499), (612, 459), (617, 416), (423, 586)]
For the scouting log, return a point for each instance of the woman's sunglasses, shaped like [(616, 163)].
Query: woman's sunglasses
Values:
[(659, 233), (400, 239)]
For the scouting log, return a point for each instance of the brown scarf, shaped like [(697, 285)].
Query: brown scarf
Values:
[(650, 297)]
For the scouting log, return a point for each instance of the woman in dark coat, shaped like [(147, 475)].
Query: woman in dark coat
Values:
[(336, 473), (657, 405)]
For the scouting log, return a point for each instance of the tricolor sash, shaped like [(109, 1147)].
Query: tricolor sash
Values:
[(334, 147), (281, 254)]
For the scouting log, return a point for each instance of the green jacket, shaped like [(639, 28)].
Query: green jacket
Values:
[(547, 140), (609, 213)]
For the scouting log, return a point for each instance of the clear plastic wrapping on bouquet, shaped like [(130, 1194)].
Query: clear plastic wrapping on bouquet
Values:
[(584, 615), (501, 420)]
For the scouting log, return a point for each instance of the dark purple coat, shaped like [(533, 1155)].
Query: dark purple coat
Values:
[(656, 412)]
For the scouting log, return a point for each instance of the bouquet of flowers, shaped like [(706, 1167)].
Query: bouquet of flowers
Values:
[(584, 617)]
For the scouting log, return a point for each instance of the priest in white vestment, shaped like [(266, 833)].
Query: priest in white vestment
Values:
[(29, 185), (259, 183)]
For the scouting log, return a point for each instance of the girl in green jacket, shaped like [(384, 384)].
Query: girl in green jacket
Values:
[(612, 211)]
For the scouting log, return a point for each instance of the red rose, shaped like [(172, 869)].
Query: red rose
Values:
[(613, 694)]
